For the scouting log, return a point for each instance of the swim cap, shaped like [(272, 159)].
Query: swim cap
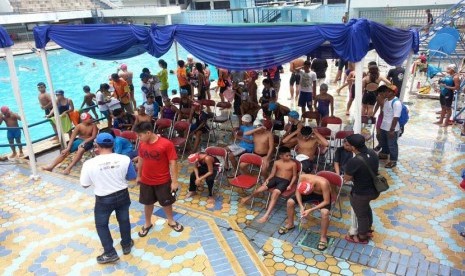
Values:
[(272, 106), (305, 188), (5, 109), (294, 115), (247, 118), (85, 116), (452, 66), (193, 158), (59, 92), (123, 66)]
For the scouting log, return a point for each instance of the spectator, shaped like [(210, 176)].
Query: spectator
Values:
[(341, 156), (122, 92), (390, 127), (307, 87)]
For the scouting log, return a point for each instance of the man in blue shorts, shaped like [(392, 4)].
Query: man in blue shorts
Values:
[(307, 87), (11, 120)]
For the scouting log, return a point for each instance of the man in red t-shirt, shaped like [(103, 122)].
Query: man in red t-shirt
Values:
[(157, 156)]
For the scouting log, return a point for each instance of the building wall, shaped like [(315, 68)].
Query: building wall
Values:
[(399, 3), (5, 6)]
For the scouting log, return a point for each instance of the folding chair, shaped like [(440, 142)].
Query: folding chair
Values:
[(131, 136), (327, 133), (336, 183), (116, 131), (161, 125), (341, 135), (287, 193), (176, 101), (369, 129), (179, 141), (312, 115), (225, 108), (211, 110), (326, 121), (247, 181), (222, 155)]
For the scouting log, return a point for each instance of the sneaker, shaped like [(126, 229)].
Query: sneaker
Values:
[(127, 248), (104, 258), (382, 156)]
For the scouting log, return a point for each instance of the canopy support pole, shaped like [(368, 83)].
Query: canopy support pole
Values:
[(176, 50), (56, 114), (406, 77), (358, 96), (19, 102)]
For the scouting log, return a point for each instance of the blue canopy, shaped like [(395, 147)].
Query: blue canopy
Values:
[(5, 39), (235, 47)]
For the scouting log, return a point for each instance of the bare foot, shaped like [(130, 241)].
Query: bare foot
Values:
[(13, 155), (437, 123), (21, 154), (190, 194), (47, 169), (262, 219), (244, 200), (67, 171)]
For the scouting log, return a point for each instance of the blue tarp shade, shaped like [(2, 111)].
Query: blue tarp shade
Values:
[(234, 47), (5, 39)]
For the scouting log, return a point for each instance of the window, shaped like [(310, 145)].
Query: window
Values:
[(202, 5), (221, 5)]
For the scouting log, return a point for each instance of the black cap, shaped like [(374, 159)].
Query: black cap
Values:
[(356, 140)]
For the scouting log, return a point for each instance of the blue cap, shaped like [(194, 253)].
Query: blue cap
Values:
[(183, 91), (272, 106), (104, 139), (293, 114)]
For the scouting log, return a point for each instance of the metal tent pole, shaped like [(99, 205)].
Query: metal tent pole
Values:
[(406, 76), (358, 96)]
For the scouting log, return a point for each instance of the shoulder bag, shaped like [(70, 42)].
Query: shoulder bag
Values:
[(379, 181)]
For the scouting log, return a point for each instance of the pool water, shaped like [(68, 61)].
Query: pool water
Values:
[(67, 74)]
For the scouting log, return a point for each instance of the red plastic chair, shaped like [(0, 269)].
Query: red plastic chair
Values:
[(116, 131), (287, 193), (176, 101), (341, 135), (331, 121), (131, 136), (179, 141), (222, 155), (247, 181), (161, 125)]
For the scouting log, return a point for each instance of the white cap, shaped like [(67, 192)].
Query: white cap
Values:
[(452, 66), (247, 118)]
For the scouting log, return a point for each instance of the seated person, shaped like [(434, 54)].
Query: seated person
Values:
[(121, 121), (308, 141), (268, 95), (324, 101), (341, 156), (205, 169), (199, 124), (81, 140), (141, 117), (246, 141), (152, 108), (263, 143), (282, 177), (121, 145), (310, 189), (185, 106), (293, 124), (278, 111), (169, 110), (248, 106)]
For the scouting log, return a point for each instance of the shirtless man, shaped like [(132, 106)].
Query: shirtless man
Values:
[(282, 177), (127, 76), (45, 100), (81, 140), (317, 189), (263, 144), (308, 140), (294, 67), (142, 117), (89, 100), (11, 120)]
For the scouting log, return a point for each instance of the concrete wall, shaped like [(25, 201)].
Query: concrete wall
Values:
[(398, 3), (5, 6)]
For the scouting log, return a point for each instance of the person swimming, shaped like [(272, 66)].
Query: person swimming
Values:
[(26, 69)]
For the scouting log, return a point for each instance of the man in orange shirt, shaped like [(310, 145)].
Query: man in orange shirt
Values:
[(122, 92), (181, 73)]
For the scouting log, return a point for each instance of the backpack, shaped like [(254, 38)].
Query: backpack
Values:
[(404, 116)]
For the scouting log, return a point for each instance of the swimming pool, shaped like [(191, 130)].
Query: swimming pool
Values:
[(68, 75)]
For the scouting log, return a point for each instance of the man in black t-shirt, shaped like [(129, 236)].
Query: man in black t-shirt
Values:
[(396, 76), (357, 170), (319, 66), (341, 157)]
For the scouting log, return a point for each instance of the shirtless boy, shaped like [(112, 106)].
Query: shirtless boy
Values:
[(142, 117), (282, 177), (294, 67), (263, 144), (89, 100), (82, 140), (11, 120), (45, 100), (320, 191), (308, 140)]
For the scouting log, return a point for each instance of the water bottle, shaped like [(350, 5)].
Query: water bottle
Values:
[(370, 122)]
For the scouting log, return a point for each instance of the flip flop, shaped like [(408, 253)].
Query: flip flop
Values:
[(145, 231), (462, 234), (390, 165), (350, 238), (176, 227), (284, 230), (322, 246)]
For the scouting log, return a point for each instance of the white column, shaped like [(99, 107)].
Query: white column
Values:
[(168, 20), (56, 114), (357, 104), (19, 102), (406, 77)]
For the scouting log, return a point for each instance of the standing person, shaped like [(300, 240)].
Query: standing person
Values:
[(274, 74), (345, 18), (307, 87), (370, 84), (181, 74), (319, 66), (324, 102), (396, 76), (65, 106), (103, 97), (448, 85), (11, 120), (294, 67), (207, 73), (429, 21), (89, 100), (163, 77), (127, 76), (108, 173), (357, 170), (156, 185), (122, 92), (45, 100), (205, 169), (201, 88), (223, 81), (390, 127)]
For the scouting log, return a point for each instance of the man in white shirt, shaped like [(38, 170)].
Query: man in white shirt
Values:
[(390, 127), (108, 172), (307, 87)]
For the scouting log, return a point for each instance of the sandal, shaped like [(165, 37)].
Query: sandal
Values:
[(391, 164), (322, 246), (284, 230), (145, 231), (355, 239), (462, 234), (176, 227)]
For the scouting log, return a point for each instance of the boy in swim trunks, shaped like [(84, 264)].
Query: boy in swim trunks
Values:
[(11, 120), (282, 177), (89, 100)]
